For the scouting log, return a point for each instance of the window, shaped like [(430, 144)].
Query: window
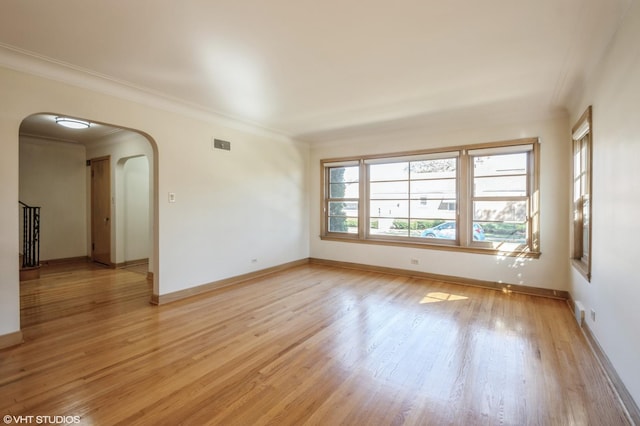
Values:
[(405, 195), (479, 198), (343, 202), (501, 194), (581, 172)]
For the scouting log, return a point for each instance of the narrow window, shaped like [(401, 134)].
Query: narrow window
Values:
[(342, 203), (500, 196), (581, 172)]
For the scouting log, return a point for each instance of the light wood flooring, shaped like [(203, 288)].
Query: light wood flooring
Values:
[(311, 345)]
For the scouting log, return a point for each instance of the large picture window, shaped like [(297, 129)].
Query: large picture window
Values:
[(478, 198), (581, 246), (407, 197)]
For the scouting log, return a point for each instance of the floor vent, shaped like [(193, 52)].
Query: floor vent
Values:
[(578, 311)]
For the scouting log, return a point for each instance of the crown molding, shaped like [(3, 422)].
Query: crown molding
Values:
[(33, 137), (42, 66)]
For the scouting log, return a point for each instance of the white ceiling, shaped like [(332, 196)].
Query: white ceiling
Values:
[(312, 69)]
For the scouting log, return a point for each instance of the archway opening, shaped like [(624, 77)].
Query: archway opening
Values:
[(55, 175)]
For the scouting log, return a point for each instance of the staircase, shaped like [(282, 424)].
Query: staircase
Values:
[(30, 258)]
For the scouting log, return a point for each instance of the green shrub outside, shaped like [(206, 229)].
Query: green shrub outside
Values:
[(495, 228)]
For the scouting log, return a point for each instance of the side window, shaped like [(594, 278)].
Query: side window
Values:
[(581, 173), (501, 196), (503, 181), (342, 199)]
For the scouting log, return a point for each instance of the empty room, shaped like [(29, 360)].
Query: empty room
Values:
[(359, 213)]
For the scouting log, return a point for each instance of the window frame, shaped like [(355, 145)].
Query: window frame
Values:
[(582, 139), (327, 198), (464, 199), (531, 190)]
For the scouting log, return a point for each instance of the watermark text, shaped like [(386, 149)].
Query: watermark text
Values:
[(40, 420)]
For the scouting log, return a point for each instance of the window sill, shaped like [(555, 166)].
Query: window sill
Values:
[(432, 246), (583, 268)]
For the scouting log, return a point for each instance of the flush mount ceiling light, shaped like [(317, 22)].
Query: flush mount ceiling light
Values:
[(72, 123)]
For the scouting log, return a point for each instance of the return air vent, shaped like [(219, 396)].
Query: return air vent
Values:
[(220, 144)]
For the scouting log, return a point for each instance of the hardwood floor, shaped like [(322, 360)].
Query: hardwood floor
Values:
[(70, 288), (311, 345)]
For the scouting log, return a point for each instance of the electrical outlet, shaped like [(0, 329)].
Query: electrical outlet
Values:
[(415, 261), (254, 260)]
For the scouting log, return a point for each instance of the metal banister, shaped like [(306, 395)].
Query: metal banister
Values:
[(30, 236)]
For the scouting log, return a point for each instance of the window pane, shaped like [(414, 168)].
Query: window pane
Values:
[(433, 209), (501, 221), (343, 190), (584, 182), (433, 169), (349, 209), (585, 242), (344, 174), (390, 208), (503, 232), (343, 224), (576, 189), (500, 186), (433, 189), (500, 211), (577, 168), (499, 165), (417, 226), (386, 190), (444, 230), (585, 210), (584, 155), (391, 171), (585, 227), (389, 226)]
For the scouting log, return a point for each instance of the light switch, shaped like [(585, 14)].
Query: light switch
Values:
[(172, 197)]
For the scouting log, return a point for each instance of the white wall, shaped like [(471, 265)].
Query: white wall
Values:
[(136, 208), (52, 176), (249, 203), (614, 290), (121, 148), (550, 271), (9, 234)]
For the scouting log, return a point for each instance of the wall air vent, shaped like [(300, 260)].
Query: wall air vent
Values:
[(220, 144)]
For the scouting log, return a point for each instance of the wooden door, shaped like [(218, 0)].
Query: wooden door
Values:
[(101, 210)]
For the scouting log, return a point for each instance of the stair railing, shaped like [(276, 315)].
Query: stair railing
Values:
[(30, 236)]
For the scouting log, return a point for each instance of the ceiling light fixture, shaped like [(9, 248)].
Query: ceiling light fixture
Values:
[(72, 123)]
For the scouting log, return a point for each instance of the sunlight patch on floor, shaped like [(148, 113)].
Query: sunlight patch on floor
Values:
[(435, 297)]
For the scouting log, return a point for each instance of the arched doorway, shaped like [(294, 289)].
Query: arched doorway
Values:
[(55, 174)]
